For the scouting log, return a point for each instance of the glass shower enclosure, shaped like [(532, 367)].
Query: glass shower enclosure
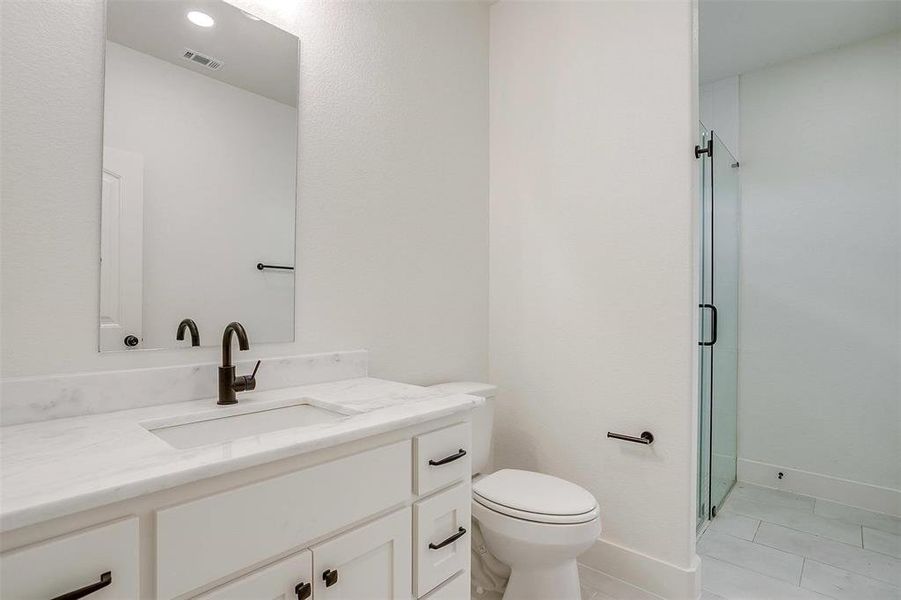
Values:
[(718, 335)]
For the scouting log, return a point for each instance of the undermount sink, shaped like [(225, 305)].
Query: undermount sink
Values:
[(225, 425)]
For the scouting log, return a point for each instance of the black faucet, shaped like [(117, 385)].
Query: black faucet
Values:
[(228, 383), (190, 325)]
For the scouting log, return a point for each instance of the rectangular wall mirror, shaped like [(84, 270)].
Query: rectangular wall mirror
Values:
[(199, 174)]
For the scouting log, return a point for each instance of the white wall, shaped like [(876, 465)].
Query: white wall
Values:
[(392, 210), (821, 271), (219, 169), (720, 112), (591, 229)]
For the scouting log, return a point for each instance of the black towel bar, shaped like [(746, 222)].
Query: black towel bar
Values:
[(646, 438), (261, 266)]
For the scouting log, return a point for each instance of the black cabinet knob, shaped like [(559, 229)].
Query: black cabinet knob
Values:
[(131, 341), (303, 590), (330, 577)]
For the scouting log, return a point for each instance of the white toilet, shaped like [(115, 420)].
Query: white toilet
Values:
[(536, 524)]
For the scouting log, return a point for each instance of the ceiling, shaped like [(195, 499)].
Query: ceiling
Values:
[(256, 55), (737, 36)]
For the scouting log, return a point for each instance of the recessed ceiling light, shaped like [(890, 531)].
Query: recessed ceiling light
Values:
[(250, 16), (201, 19)]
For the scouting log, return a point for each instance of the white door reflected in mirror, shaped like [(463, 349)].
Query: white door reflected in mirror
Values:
[(121, 250)]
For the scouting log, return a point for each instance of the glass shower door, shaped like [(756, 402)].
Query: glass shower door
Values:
[(704, 351), (719, 325)]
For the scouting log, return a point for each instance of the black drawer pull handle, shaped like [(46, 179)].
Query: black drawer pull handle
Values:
[(105, 580), (303, 590), (330, 577), (448, 459), (460, 533)]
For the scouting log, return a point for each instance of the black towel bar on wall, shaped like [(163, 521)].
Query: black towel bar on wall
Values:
[(261, 266), (647, 438)]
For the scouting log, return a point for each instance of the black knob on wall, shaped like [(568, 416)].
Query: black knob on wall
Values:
[(131, 341)]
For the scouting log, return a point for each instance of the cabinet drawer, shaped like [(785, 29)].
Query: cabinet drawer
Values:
[(442, 457), (437, 521), (455, 589), (225, 533), (368, 563), (288, 579), (73, 562)]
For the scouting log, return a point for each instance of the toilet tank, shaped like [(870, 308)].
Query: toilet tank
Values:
[(482, 419)]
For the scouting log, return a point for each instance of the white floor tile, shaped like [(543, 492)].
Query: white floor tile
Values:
[(735, 583), (882, 541), (843, 585), (857, 560), (708, 595), (834, 510), (800, 519), (751, 556), (771, 496), (734, 524)]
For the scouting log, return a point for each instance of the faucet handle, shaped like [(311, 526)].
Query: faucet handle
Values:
[(246, 383)]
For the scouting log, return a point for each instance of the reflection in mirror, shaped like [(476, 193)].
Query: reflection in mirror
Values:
[(199, 174)]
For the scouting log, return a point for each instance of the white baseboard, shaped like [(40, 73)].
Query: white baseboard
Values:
[(844, 491), (623, 573)]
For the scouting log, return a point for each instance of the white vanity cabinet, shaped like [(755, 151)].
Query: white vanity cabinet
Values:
[(385, 518)]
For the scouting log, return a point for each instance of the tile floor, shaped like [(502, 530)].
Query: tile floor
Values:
[(772, 545), (767, 544)]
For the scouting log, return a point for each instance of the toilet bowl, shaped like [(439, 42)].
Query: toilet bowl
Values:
[(537, 525), (534, 523)]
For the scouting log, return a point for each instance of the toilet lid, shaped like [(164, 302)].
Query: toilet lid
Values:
[(535, 493)]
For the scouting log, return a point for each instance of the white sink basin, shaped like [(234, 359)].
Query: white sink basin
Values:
[(232, 423)]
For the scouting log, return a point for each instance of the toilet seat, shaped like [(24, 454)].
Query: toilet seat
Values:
[(535, 497)]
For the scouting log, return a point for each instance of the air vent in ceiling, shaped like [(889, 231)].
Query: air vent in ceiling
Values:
[(206, 61)]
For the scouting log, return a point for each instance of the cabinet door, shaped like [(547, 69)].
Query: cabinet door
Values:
[(288, 579), (372, 562)]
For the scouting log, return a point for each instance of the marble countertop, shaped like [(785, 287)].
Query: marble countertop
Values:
[(54, 468)]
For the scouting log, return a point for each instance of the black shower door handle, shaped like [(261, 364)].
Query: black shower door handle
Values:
[(715, 319)]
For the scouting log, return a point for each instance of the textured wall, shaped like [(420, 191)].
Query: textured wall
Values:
[(591, 262), (820, 353), (392, 227)]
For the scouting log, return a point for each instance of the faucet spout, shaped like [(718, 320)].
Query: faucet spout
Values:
[(190, 325), (237, 329)]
